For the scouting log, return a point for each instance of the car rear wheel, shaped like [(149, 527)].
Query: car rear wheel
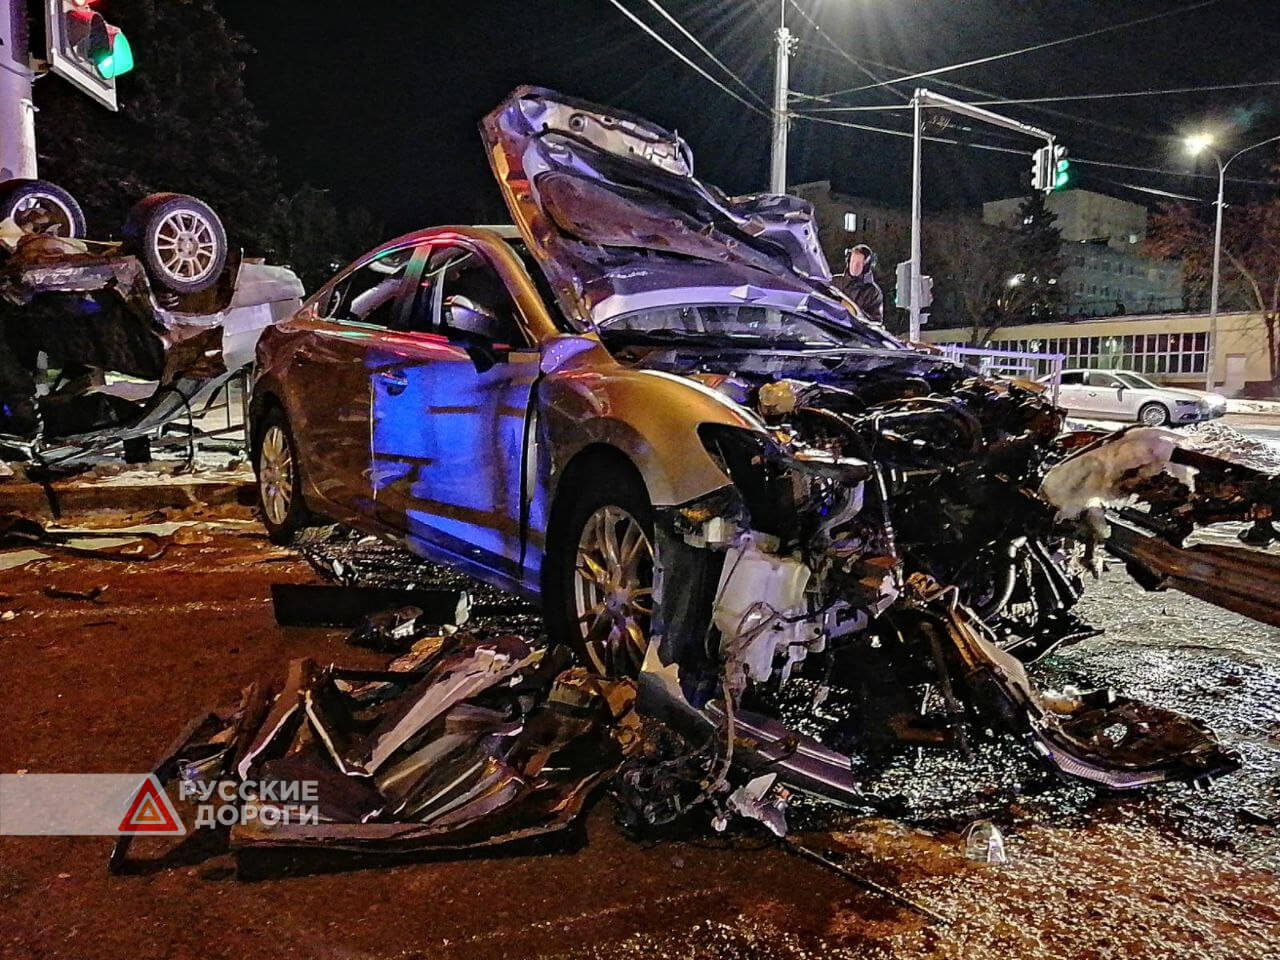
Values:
[(275, 462), (600, 583), (1154, 414), (38, 206), (180, 239)]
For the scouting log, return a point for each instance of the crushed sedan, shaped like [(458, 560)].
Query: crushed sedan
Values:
[(646, 406)]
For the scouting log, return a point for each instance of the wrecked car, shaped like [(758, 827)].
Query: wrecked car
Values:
[(645, 406), (170, 308)]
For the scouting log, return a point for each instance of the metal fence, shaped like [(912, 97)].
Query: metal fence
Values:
[(1009, 363)]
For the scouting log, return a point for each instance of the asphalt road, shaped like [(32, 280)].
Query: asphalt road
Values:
[(104, 687)]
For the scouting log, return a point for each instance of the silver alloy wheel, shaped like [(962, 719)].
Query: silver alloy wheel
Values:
[(275, 474), (1154, 415), (186, 245), (612, 590), (60, 222)]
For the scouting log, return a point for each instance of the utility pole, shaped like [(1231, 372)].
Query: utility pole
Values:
[(781, 105), (17, 112), (1212, 352)]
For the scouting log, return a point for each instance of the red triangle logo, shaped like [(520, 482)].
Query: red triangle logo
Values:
[(151, 811)]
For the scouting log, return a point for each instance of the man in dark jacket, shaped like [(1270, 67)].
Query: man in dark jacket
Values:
[(858, 282)]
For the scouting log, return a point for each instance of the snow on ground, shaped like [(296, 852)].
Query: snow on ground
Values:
[(1220, 440), (1264, 407)]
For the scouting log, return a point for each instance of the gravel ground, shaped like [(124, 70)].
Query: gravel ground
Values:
[(103, 687)]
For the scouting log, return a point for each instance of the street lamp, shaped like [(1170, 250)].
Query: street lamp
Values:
[(1197, 144)]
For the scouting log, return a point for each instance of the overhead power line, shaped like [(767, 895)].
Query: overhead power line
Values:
[(1031, 49), (711, 56), (689, 63), (1127, 132), (1172, 91), (933, 138)]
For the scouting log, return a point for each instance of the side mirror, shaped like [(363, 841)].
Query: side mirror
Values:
[(462, 315), (477, 330)]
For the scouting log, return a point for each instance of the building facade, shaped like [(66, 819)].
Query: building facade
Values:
[(1168, 348), (1104, 273)]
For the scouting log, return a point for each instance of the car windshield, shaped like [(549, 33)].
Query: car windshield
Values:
[(1137, 382), (739, 323)]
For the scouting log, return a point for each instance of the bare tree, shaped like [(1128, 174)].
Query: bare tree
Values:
[(1250, 277), (978, 274)]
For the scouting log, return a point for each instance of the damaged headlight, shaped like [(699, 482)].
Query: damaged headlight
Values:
[(784, 489), (754, 461)]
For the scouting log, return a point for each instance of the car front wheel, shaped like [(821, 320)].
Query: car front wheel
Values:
[(600, 585), (1154, 414)]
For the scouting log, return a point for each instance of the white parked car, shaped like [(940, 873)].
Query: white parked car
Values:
[(1125, 395)]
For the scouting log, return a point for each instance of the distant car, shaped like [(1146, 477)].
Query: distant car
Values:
[(1125, 395)]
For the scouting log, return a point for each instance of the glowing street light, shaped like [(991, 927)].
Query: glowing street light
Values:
[(1198, 143)]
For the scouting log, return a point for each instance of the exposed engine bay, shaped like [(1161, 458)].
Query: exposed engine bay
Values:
[(909, 536)]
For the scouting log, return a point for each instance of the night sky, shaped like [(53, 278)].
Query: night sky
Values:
[(378, 101)]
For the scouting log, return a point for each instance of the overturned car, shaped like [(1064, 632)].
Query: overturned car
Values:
[(170, 309), (647, 407)]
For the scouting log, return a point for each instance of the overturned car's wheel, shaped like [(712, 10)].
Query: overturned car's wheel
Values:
[(275, 461), (38, 206), (599, 583), (180, 239)]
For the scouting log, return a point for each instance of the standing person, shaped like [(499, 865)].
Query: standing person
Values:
[(858, 283)]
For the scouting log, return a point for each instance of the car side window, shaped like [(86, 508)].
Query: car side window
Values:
[(462, 281), (1073, 379), (1104, 380), (369, 293)]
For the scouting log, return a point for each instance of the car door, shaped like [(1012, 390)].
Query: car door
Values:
[(1070, 389), (330, 379), (1102, 394), (449, 413)]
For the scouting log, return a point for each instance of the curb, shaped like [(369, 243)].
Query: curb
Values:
[(30, 499)]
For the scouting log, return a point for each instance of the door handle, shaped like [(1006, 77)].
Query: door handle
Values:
[(395, 382)]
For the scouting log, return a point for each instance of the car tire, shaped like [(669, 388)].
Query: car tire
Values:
[(25, 200), (179, 239), (279, 480), (579, 577), (1153, 414)]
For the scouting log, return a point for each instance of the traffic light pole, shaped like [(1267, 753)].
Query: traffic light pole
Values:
[(17, 112), (926, 98), (917, 208)]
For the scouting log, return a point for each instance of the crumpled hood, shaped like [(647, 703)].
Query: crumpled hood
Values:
[(609, 206)]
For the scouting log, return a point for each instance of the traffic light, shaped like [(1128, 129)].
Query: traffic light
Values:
[(86, 50), (1061, 169), (1042, 170)]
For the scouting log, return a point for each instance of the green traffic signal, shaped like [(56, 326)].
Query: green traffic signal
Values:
[(1062, 175), (116, 58)]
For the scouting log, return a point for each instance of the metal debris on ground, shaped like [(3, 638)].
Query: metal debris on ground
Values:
[(130, 545), (866, 883), (466, 743), (984, 842)]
